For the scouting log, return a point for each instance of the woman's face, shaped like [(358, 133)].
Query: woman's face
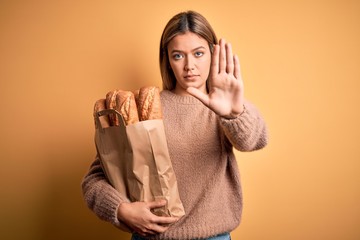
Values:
[(190, 59)]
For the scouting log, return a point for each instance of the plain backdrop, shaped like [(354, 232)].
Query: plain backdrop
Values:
[(300, 62)]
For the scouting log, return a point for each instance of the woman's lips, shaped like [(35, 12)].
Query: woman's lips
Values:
[(191, 76)]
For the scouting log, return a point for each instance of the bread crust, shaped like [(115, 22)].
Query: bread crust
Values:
[(149, 103), (99, 106), (126, 105), (111, 104), (140, 105)]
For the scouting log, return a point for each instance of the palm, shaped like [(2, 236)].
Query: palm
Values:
[(225, 96)]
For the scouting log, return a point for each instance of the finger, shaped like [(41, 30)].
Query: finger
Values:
[(151, 232), (204, 98), (222, 56), (165, 220), (148, 232), (229, 59), (215, 61), (237, 70), (156, 204)]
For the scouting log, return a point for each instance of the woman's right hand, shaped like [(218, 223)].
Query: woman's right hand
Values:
[(138, 216)]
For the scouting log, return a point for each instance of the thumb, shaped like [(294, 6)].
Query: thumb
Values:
[(156, 204), (204, 98)]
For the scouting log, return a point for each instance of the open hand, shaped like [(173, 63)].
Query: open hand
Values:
[(226, 91), (138, 216)]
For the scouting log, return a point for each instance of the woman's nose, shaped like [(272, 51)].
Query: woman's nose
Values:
[(188, 68), (189, 65)]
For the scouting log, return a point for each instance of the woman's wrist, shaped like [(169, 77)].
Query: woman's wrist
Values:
[(120, 211), (235, 115)]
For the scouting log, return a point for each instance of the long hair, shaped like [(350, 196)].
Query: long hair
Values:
[(181, 23)]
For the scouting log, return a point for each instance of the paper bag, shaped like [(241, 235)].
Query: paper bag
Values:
[(136, 161)]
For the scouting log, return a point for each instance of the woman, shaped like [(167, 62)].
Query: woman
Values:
[(205, 116)]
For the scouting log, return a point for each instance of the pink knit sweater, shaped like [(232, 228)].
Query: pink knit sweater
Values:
[(201, 149)]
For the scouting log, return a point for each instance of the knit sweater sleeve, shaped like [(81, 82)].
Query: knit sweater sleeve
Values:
[(101, 197), (247, 132)]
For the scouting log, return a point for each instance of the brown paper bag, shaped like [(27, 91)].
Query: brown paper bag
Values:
[(136, 161)]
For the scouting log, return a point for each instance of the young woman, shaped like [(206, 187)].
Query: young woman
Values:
[(205, 116)]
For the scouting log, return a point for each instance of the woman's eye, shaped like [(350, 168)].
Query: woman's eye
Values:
[(177, 56), (199, 54)]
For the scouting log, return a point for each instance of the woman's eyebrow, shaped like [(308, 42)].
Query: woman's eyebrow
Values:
[(195, 49)]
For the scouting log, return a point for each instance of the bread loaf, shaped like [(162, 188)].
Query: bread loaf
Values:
[(148, 103), (104, 120), (124, 103), (143, 104), (111, 104), (136, 94)]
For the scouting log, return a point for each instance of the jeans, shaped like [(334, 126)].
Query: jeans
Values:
[(225, 236)]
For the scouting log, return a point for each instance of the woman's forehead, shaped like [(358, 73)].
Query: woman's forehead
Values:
[(187, 41)]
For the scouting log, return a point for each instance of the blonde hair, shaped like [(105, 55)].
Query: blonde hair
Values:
[(189, 21)]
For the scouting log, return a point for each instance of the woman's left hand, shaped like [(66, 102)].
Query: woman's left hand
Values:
[(226, 90)]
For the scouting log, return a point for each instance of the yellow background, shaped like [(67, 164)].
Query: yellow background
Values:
[(301, 66)]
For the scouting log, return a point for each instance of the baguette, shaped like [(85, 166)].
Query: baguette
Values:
[(111, 104), (148, 103), (104, 120), (124, 103)]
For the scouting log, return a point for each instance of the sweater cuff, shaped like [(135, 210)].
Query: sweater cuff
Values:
[(114, 209), (110, 204), (242, 121), (247, 131)]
